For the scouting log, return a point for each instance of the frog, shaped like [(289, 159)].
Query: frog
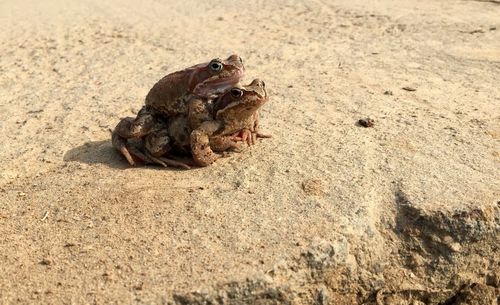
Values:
[(235, 119), (183, 92)]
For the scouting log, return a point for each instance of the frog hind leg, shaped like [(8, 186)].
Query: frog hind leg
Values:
[(157, 144), (165, 162), (203, 154), (136, 128), (130, 153), (129, 128)]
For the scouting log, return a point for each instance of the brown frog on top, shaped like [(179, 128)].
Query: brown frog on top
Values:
[(234, 119), (184, 92)]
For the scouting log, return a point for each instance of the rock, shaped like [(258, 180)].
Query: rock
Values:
[(475, 294), (313, 187)]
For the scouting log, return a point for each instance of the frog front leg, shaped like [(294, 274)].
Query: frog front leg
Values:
[(250, 135), (223, 143), (256, 128)]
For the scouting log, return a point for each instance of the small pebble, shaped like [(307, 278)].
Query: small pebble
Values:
[(45, 262), (455, 247), (366, 122), (313, 187)]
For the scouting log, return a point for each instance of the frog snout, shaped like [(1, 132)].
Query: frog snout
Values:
[(259, 83), (235, 58), (259, 86)]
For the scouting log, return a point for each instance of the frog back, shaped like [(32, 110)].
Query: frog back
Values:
[(170, 94)]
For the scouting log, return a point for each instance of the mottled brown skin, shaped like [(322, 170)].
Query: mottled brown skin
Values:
[(178, 93), (234, 114), (235, 119), (173, 93)]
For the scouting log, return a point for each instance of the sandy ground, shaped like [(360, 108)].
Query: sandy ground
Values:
[(326, 211)]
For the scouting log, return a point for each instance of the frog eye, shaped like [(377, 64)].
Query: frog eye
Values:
[(216, 66), (235, 92)]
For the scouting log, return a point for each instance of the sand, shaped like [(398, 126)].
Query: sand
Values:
[(325, 212)]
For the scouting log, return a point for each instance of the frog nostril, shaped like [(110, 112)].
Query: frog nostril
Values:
[(263, 84)]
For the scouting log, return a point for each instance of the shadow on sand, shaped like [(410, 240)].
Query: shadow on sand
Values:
[(103, 152), (95, 152)]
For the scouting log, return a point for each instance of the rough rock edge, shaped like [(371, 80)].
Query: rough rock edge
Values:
[(327, 273)]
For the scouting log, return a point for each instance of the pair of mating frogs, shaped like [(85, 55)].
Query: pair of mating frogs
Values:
[(201, 110)]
